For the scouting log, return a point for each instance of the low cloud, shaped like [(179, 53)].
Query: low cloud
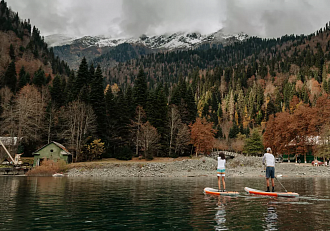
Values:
[(126, 18)]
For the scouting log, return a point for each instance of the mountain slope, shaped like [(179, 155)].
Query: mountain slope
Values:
[(72, 49), (23, 45)]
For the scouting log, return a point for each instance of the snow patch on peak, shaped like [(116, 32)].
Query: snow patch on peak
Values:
[(59, 40), (179, 40)]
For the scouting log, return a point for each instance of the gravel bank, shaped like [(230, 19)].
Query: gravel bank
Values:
[(240, 166)]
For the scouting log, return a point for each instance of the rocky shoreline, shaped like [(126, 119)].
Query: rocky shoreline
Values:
[(241, 166)]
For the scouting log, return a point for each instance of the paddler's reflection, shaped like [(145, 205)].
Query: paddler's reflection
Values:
[(220, 216), (271, 218)]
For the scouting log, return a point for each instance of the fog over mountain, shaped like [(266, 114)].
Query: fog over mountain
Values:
[(132, 18)]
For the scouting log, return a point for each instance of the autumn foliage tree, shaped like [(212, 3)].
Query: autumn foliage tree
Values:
[(202, 135), (295, 132), (93, 150)]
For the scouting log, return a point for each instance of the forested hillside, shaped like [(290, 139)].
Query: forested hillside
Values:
[(27, 67), (239, 97), (238, 87)]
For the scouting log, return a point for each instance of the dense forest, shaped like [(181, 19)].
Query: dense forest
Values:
[(240, 97)]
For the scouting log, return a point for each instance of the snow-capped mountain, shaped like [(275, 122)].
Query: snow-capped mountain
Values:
[(59, 40), (167, 42), (71, 49)]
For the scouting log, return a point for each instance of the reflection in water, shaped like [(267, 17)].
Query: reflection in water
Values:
[(271, 218), (220, 216), (50, 203)]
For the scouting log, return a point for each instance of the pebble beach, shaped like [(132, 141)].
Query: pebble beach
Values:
[(241, 166)]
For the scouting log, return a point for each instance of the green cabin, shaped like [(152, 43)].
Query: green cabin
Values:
[(52, 151)]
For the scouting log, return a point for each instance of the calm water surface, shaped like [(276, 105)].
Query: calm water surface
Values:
[(44, 203)]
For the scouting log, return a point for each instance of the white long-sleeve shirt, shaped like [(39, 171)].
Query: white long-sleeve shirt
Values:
[(221, 163), (268, 160)]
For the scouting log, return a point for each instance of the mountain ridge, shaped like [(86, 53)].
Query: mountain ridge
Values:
[(178, 40), (72, 49)]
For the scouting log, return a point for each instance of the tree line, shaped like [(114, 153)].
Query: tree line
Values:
[(172, 103)]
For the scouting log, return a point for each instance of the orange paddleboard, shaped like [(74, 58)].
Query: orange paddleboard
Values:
[(273, 194), (216, 192)]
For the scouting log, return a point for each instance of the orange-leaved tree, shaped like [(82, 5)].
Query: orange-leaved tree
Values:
[(202, 135)]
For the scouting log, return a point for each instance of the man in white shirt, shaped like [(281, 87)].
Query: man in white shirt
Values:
[(269, 161)]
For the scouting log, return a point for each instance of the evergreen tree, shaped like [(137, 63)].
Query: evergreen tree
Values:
[(69, 89), (39, 78), (157, 114), (10, 78), (98, 102), (189, 107), (12, 52), (81, 85), (22, 79), (122, 122), (271, 110), (56, 92), (129, 99), (233, 131), (253, 145), (111, 116), (140, 89), (91, 71)]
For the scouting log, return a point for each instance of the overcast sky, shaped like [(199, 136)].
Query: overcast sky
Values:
[(128, 18)]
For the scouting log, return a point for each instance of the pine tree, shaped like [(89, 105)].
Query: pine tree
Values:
[(233, 131), (91, 72), (12, 52), (190, 107), (140, 89), (22, 81), (129, 98), (161, 117), (10, 78), (253, 145), (80, 88), (69, 89), (98, 102), (122, 120), (56, 92), (39, 78), (111, 121)]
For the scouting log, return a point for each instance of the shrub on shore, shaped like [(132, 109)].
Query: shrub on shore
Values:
[(48, 168)]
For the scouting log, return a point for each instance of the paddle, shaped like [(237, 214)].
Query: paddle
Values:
[(281, 184)]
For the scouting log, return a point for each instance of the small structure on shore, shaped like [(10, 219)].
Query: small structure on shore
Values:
[(53, 151)]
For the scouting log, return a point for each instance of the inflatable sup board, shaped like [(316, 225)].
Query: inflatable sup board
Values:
[(274, 194), (216, 192)]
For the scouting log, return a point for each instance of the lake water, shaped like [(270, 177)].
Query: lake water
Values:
[(49, 203)]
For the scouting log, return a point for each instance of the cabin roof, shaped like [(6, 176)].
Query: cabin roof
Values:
[(57, 144), (8, 141)]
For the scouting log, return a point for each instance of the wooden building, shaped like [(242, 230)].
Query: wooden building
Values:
[(52, 151)]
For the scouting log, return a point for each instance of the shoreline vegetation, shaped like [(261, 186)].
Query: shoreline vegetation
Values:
[(241, 166)]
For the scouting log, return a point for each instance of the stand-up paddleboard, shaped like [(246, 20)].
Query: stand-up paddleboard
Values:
[(216, 192), (274, 194)]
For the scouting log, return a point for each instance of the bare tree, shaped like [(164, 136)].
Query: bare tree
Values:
[(238, 144), (182, 138), (25, 117), (140, 115), (174, 123), (322, 148), (150, 138), (79, 121), (8, 122), (51, 116), (225, 126)]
